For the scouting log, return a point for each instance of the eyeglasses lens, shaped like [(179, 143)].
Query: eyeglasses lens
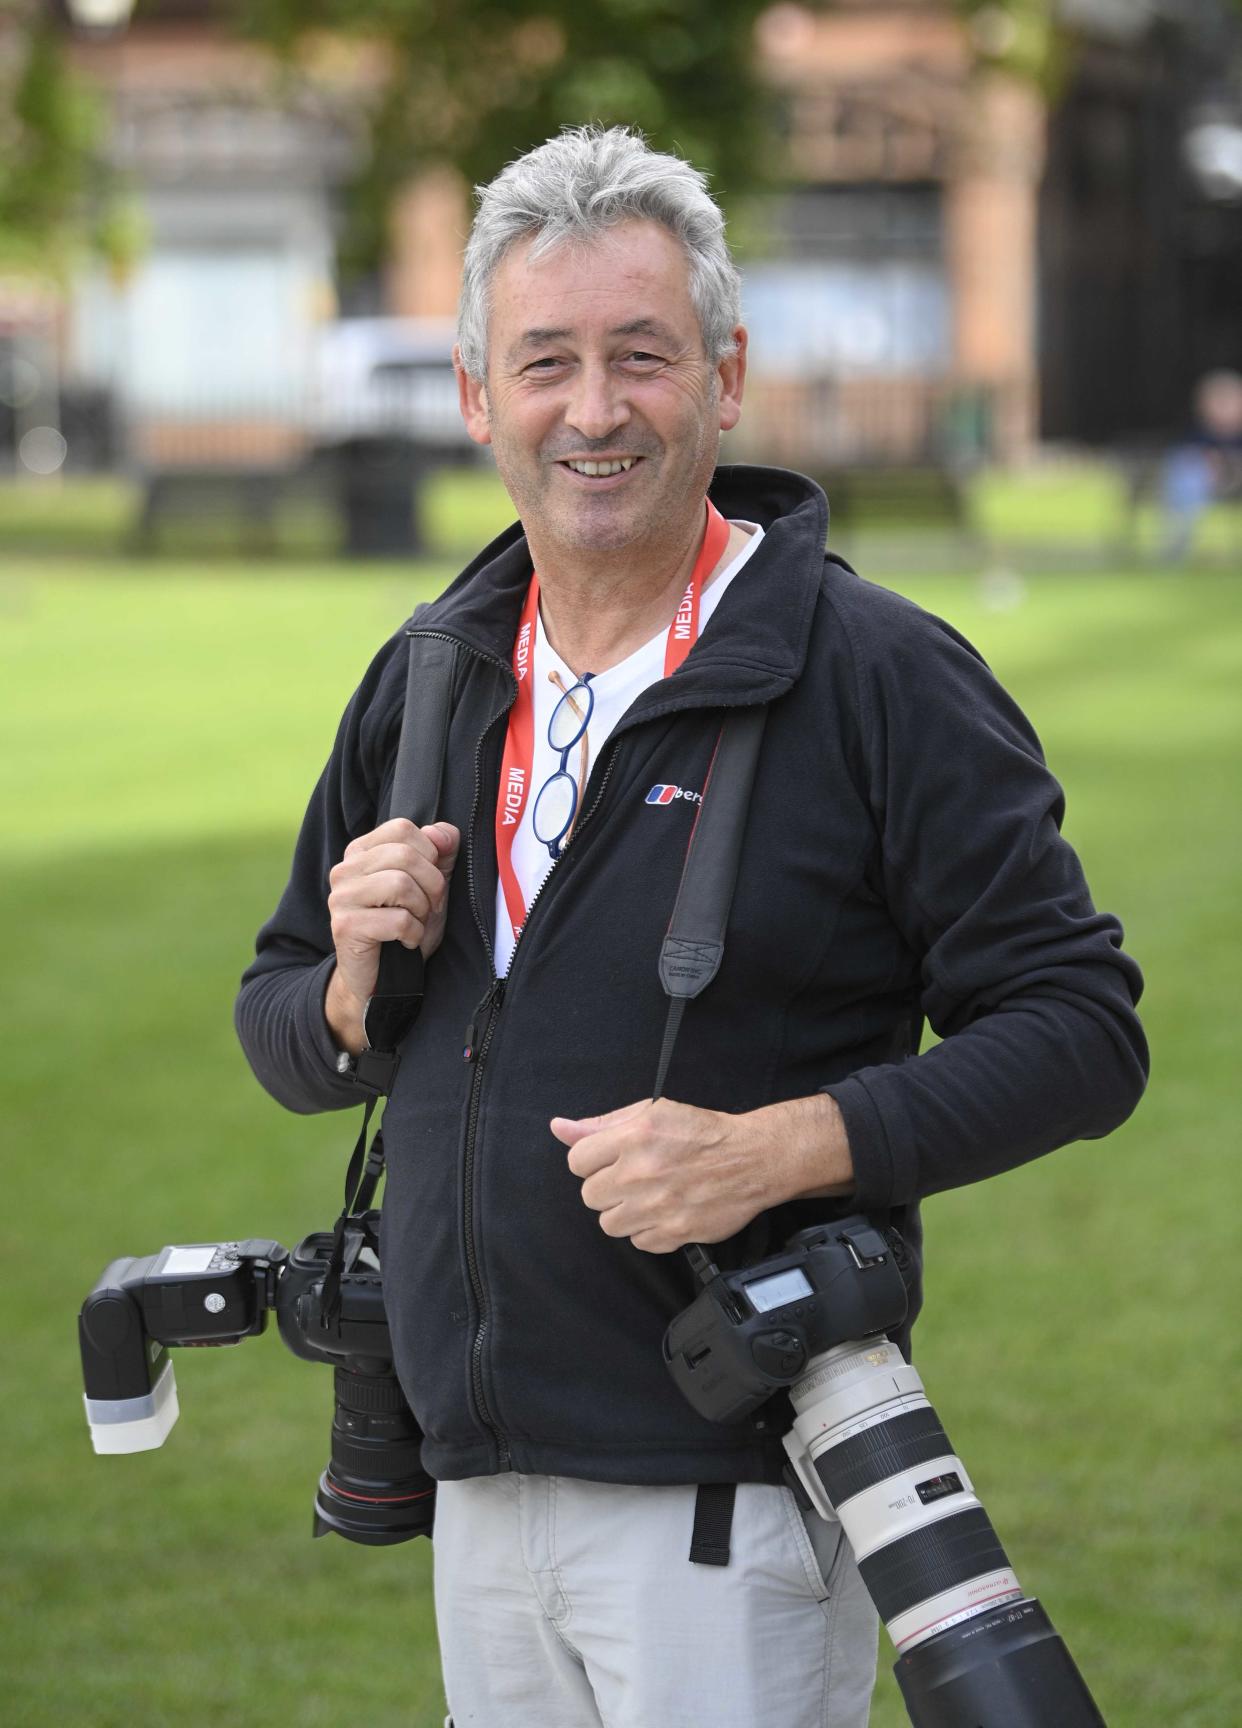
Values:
[(554, 808), (570, 717)]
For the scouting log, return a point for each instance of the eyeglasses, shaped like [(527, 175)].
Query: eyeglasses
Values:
[(557, 803)]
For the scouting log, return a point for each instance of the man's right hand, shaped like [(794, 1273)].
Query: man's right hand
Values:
[(391, 885)]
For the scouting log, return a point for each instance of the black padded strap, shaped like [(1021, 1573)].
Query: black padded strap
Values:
[(713, 1523), (398, 996), (694, 944), (419, 773), (417, 779)]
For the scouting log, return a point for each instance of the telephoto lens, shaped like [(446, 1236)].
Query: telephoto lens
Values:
[(374, 1490), (973, 1650)]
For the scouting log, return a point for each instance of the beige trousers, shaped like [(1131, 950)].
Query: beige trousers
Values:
[(568, 1604)]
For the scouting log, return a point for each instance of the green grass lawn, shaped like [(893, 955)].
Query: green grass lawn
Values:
[(161, 729)]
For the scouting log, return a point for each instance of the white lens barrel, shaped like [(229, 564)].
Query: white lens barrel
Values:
[(867, 1443), (134, 1424), (894, 1506), (950, 1607), (851, 1387)]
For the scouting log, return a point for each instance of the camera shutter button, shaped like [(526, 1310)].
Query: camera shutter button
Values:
[(781, 1354)]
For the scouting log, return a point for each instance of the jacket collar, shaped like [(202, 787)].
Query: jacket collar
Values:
[(755, 645)]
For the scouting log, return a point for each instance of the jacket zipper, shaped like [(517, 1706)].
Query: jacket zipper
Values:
[(476, 1054), (478, 1041)]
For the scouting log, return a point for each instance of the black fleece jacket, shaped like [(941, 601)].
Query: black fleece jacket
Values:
[(902, 858)]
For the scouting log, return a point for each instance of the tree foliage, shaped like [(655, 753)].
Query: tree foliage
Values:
[(470, 83), (1022, 37), (58, 196), (474, 83)]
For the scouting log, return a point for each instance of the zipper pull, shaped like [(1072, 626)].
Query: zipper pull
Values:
[(495, 993)]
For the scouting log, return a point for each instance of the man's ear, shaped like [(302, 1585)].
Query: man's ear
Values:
[(731, 380), (472, 400)]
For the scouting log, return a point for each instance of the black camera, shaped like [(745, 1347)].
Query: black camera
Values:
[(374, 1489), (867, 1448)]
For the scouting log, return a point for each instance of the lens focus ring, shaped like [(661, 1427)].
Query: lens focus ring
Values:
[(925, 1562), (880, 1452), (367, 1461), (377, 1393)]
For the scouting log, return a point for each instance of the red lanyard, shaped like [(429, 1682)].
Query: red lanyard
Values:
[(516, 764)]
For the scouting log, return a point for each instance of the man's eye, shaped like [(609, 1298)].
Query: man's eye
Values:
[(643, 358), (545, 363)]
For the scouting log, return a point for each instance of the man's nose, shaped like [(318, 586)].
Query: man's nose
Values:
[(597, 404)]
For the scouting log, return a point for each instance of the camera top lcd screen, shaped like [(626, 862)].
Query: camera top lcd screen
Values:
[(774, 1292), (180, 1262)]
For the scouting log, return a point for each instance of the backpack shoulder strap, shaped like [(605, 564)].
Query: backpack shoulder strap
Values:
[(417, 781)]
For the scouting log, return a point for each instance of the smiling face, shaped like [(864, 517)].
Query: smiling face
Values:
[(600, 403)]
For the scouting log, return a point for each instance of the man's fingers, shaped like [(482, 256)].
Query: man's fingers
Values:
[(663, 1173), (366, 877), (447, 841), (362, 927), (398, 830), (386, 888), (593, 1141), (385, 863), (570, 1130), (438, 842), (392, 885), (592, 1154)]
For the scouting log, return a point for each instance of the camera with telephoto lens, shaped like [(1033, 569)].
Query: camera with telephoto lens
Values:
[(867, 1448), (374, 1489)]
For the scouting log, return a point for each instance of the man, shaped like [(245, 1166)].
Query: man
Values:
[(901, 858)]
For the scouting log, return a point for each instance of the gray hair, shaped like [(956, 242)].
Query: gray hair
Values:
[(575, 187)]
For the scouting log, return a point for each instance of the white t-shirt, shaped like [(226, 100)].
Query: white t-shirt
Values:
[(615, 691)]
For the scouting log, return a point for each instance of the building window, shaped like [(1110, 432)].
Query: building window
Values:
[(855, 284)]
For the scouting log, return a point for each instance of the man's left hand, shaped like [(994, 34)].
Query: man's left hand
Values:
[(665, 1174)]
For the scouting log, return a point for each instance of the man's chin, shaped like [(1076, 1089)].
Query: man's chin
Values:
[(600, 526)]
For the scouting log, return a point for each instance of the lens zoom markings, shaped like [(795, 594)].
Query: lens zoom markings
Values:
[(880, 1452)]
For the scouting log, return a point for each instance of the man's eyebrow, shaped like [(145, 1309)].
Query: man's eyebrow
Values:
[(541, 334), (536, 338), (644, 327)]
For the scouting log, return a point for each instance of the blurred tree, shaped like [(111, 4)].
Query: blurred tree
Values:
[(474, 83), (58, 196), (1023, 37)]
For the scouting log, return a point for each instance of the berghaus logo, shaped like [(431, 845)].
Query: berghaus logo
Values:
[(669, 794)]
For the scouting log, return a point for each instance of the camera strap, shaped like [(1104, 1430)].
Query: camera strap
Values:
[(398, 995), (395, 1002), (694, 942), (689, 959)]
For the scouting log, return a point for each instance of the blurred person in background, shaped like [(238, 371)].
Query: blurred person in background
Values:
[(1207, 468), (902, 858)]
